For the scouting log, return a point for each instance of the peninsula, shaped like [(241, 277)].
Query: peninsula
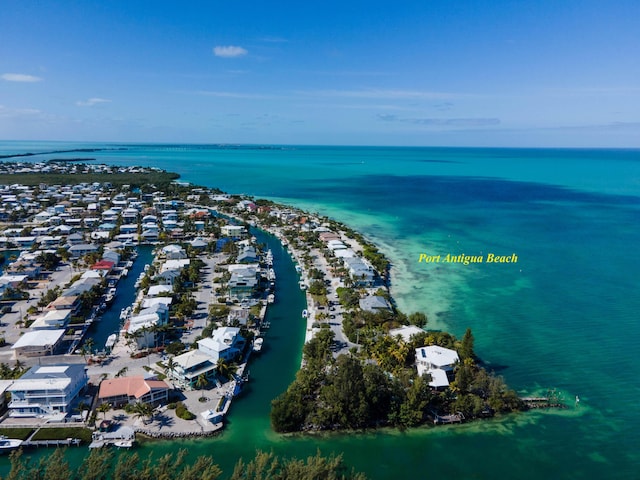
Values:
[(178, 353)]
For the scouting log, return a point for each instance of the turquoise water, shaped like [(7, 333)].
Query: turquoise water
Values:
[(563, 317)]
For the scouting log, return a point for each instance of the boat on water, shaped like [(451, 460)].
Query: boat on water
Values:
[(123, 443), (305, 313), (8, 444), (257, 344), (303, 286), (111, 341), (125, 312), (111, 294), (271, 298)]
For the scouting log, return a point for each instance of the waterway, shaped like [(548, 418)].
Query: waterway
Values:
[(126, 294), (248, 427)]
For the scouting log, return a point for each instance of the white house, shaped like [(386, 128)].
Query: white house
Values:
[(438, 362), (233, 230), (225, 343), (174, 252), (37, 343), (47, 390), (190, 365)]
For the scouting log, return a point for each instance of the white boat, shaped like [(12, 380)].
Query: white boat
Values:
[(271, 274), (8, 444), (123, 443), (305, 313), (111, 341), (271, 298), (257, 344), (303, 286)]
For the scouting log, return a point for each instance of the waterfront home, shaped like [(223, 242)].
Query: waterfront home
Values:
[(190, 365), (225, 343), (129, 390), (159, 290), (243, 283), (111, 256), (247, 254), (37, 343), (406, 332), (52, 320), (103, 267), (66, 302), (360, 271), (233, 231), (141, 326), (47, 390), (174, 252), (374, 303), (438, 362)]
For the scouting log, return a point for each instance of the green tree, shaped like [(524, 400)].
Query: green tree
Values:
[(418, 318), (97, 465), (104, 408), (466, 345), (201, 381), (144, 411)]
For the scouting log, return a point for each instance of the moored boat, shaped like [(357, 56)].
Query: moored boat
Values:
[(8, 444)]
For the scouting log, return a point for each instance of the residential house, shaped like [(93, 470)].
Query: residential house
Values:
[(243, 283), (225, 343), (438, 362), (37, 343), (129, 390), (52, 320), (82, 249), (174, 252), (47, 390), (374, 304), (190, 365), (233, 230), (360, 271)]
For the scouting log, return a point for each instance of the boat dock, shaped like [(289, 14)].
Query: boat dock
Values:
[(68, 442)]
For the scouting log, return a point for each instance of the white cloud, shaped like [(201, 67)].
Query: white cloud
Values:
[(388, 94), (20, 77), (229, 51), (92, 102), (210, 93)]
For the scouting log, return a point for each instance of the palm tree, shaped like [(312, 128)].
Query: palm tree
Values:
[(225, 369), (104, 408), (143, 410), (89, 343), (121, 372), (202, 381), (170, 369)]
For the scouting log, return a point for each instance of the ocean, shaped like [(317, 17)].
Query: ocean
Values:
[(563, 318)]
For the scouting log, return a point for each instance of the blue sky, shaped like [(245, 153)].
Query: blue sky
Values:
[(450, 73)]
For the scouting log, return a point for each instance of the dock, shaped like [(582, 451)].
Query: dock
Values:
[(68, 442)]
